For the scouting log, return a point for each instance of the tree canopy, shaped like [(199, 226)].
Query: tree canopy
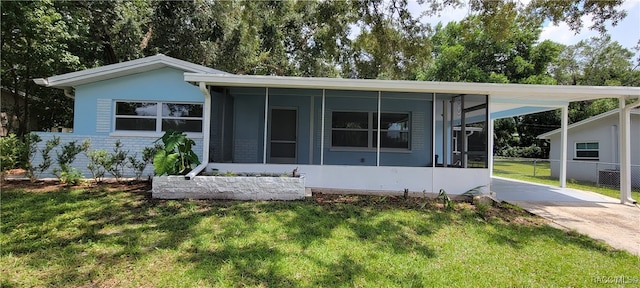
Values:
[(497, 42)]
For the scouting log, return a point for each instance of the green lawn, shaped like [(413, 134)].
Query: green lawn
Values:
[(91, 237), (523, 170)]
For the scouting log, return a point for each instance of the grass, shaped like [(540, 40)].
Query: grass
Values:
[(524, 171), (92, 237)]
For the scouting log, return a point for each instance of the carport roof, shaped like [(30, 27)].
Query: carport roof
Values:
[(506, 99)]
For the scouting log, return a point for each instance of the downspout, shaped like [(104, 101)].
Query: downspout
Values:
[(625, 150), (206, 131), (67, 92)]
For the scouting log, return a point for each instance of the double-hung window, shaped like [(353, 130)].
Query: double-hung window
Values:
[(360, 130), (158, 116), (587, 150)]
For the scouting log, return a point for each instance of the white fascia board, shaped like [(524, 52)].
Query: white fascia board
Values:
[(122, 69), (523, 92)]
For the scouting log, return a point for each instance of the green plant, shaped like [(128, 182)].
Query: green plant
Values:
[(98, 160), (446, 200), (12, 153), (71, 176), (117, 161), (138, 166), (176, 157), (482, 209), (46, 157), (31, 143), (67, 155), (229, 174)]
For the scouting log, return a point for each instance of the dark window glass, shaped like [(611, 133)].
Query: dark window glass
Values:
[(136, 124), (136, 108), (285, 150), (345, 138), (283, 124), (350, 120), (182, 125), (392, 121), (587, 154), (181, 110), (391, 139)]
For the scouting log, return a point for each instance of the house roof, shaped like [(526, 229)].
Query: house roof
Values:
[(158, 61), (506, 99), (586, 121)]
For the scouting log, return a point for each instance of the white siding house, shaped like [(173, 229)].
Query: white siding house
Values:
[(593, 147)]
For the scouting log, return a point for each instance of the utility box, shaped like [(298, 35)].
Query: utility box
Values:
[(609, 178)]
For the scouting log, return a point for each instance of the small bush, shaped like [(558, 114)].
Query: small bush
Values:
[(12, 153), (71, 176), (138, 166), (117, 161), (46, 158), (68, 154), (98, 160)]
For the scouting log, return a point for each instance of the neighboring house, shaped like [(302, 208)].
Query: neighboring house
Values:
[(8, 120), (377, 135), (594, 149)]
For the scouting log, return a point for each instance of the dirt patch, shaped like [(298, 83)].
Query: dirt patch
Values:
[(43, 186), (503, 211)]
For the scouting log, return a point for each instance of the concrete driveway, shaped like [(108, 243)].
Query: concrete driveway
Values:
[(593, 214)]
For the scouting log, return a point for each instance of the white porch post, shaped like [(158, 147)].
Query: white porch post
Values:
[(490, 135), (266, 118), (206, 130), (378, 138), (322, 128), (563, 144), (625, 149)]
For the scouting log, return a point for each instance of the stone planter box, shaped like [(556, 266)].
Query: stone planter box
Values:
[(223, 187)]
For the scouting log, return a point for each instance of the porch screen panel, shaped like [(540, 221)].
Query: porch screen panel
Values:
[(405, 129), (349, 126)]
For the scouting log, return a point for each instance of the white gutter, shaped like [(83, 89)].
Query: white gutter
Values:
[(206, 124), (625, 149)]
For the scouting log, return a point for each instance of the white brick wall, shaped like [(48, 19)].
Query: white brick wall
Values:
[(131, 144)]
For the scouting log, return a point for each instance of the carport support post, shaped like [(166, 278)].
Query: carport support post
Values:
[(563, 151), (625, 149)]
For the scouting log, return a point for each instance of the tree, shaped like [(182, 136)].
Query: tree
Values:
[(34, 44)]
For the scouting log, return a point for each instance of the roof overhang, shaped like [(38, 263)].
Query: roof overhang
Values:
[(506, 99), (69, 80)]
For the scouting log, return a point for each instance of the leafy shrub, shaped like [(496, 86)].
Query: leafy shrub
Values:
[(46, 158), (67, 155), (31, 146), (98, 160), (175, 157), (117, 161), (71, 176), (138, 166), (12, 153)]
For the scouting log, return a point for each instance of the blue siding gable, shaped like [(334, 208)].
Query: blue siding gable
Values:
[(165, 84)]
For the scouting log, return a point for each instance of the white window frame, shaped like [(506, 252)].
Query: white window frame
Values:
[(370, 132), (158, 117), (575, 150)]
